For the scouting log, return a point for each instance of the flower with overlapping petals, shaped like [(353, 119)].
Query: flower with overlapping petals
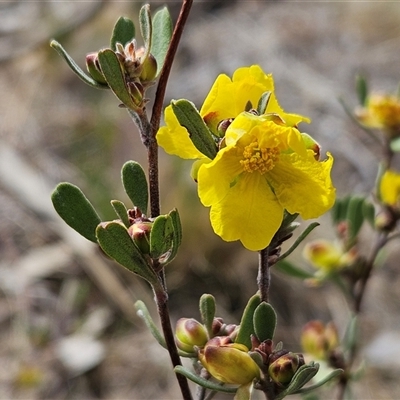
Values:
[(265, 169), (226, 100)]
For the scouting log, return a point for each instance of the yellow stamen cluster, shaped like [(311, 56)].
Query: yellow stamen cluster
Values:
[(259, 159)]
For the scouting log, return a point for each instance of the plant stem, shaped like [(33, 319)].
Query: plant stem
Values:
[(264, 274), (154, 189), (161, 298)]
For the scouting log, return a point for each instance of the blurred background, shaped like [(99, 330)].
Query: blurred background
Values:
[(67, 324)]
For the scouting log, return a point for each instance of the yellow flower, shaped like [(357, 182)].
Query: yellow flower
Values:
[(390, 188), (264, 169), (382, 111), (227, 99)]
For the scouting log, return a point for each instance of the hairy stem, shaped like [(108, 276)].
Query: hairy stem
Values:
[(264, 274)]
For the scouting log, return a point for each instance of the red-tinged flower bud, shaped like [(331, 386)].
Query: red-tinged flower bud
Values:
[(319, 340), (283, 368), (223, 126), (140, 233), (149, 69), (93, 67), (311, 144), (228, 362), (189, 332)]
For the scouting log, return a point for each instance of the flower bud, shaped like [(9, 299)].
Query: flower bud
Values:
[(228, 362), (140, 233), (93, 67), (223, 126), (283, 368), (149, 69), (189, 332), (319, 340), (312, 144), (327, 256)]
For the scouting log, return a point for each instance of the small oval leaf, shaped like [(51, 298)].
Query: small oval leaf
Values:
[(246, 328), (115, 241), (123, 32), (161, 236), (121, 211), (207, 311), (135, 184), (76, 210), (146, 27), (115, 77), (75, 67), (264, 321), (199, 134), (161, 37)]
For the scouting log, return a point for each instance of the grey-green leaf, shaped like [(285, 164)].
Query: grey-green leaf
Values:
[(263, 102), (123, 32), (115, 77), (208, 384), (76, 210), (335, 373), (264, 321), (177, 235), (207, 311), (355, 215), (115, 241), (135, 184), (75, 67), (199, 134), (161, 236), (246, 328), (161, 37), (362, 89), (146, 27), (121, 211)]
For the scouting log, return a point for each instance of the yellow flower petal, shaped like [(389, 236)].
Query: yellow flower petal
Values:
[(303, 185), (390, 188), (174, 138), (249, 212)]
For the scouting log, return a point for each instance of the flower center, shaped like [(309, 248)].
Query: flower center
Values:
[(259, 159)]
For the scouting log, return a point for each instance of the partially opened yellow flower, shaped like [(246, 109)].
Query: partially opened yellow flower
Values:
[(264, 169), (390, 188), (226, 99)]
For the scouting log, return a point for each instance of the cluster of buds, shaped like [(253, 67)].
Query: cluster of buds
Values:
[(319, 340), (279, 364), (137, 64)]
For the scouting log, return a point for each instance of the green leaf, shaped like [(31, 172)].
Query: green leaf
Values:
[(218, 387), (115, 241), (300, 239), (263, 102), (292, 270), (339, 210), (161, 236), (246, 328), (355, 215), (135, 184), (362, 89), (199, 134), (207, 311), (335, 373), (161, 37), (121, 211), (177, 237), (123, 32), (146, 27), (74, 66), (76, 210), (351, 335), (143, 312), (115, 77), (369, 212), (264, 321)]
